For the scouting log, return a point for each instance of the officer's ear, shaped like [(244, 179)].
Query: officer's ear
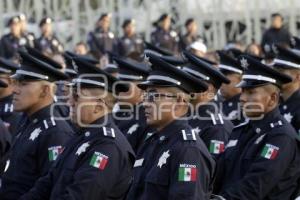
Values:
[(274, 96)]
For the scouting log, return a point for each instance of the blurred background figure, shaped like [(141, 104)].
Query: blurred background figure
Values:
[(10, 42), (48, 43), (276, 34), (28, 36), (81, 48), (191, 34), (164, 36), (101, 39), (130, 44)]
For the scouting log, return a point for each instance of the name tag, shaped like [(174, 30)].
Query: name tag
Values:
[(231, 143), (138, 163)]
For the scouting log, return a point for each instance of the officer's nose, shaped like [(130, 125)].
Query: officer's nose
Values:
[(243, 97)]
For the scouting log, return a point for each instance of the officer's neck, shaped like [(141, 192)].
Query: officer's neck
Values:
[(38, 106), (289, 91)]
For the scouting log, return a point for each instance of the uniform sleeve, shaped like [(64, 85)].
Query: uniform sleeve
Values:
[(266, 169), (42, 188), (190, 175), (51, 144), (97, 174), (215, 138)]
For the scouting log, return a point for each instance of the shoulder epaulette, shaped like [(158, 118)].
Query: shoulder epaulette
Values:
[(109, 132), (189, 135)]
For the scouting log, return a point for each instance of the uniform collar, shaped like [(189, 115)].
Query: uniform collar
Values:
[(41, 114), (295, 95), (174, 128), (235, 98), (207, 109), (95, 126), (6, 99), (270, 120)]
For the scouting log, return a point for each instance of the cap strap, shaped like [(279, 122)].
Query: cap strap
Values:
[(33, 74), (194, 72), (5, 70), (288, 63), (163, 78), (221, 66), (132, 77), (70, 71), (88, 81), (259, 78)]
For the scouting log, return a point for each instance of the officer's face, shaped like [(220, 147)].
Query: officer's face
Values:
[(132, 96), (15, 28), (257, 101), (46, 29), (295, 75), (105, 23), (166, 23), (229, 90), (277, 22), (6, 79), (85, 105), (129, 29), (159, 106), (192, 27), (27, 95)]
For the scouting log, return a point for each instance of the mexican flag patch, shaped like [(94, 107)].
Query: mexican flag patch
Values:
[(269, 151), (53, 152), (187, 173), (99, 160), (216, 147)]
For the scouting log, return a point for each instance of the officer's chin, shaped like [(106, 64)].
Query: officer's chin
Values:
[(253, 115)]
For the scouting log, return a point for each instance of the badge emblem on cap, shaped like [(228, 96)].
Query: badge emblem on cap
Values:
[(244, 63)]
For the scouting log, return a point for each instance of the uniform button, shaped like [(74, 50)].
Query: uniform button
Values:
[(257, 130), (230, 104), (162, 138), (87, 134), (284, 107)]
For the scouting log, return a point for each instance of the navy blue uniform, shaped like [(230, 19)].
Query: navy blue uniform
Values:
[(50, 45), (291, 111), (232, 110), (130, 46), (9, 45), (132, 123), (8, 115), (100, 42), (36, 147), (173, 164), (261, 161), (208, 122), (165, 39), (96, 164), (5, 145)]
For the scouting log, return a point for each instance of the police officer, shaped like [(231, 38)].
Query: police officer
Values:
[(10, 42), (191, 34), (232, 69), (288, 63), (7, 113), (48, 43), (101, 39), (262, 156), (28, 36), (97, 163), (5, 139), (130, 118), (164, 36), (207, 119), (131, 44), (41, 137), (173, 163)]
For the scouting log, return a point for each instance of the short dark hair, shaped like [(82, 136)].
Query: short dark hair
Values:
[(189, 21), (103, 16), (126, 22), (277, 15)]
